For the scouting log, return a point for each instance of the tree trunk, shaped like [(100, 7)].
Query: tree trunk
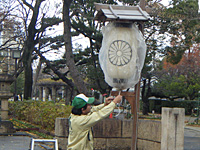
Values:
[(75, 74), (146, 91), (29, 46), (36, 76), (28, 78), (145, 109)]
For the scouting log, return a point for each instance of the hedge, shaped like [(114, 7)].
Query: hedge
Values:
[(39, 112), (157, 105)]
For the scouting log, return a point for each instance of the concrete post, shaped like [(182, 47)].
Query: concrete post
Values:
[(46, 97), (172, 137), (54, 93), (40, 93)]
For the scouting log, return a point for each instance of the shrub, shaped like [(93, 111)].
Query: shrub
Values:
[(39, 112), (158, 104)]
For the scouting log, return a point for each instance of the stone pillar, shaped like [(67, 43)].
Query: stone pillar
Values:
[(46, 94), (54, 93), (172, 128), (41, 93), (4, 109)]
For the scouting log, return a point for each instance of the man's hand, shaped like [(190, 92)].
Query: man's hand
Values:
[(117, 99), (108, 100)]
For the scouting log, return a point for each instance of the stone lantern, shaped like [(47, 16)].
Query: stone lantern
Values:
[(5, 94), (5, 80)]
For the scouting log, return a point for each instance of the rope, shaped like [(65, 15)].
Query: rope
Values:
[(118, 106)]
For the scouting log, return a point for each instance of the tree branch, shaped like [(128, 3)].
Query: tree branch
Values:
[(28, 5)]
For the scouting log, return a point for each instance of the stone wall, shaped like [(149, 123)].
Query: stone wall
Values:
[(114, 134), (149, 135)]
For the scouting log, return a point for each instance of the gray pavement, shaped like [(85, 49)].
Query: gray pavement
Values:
[(191, 135), (17, 141), (191, 139), (14, 142)]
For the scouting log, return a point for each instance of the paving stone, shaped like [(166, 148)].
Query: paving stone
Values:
[(16, 143)]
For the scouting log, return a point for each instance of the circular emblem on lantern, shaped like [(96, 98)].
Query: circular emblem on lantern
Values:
[(119, 53)]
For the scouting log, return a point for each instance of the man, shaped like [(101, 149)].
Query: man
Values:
[(83, 117)]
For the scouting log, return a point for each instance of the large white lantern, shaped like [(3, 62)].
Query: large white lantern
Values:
[(122, 54)]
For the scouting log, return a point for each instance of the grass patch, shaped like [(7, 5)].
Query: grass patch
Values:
[(32, 129), (150, 116)]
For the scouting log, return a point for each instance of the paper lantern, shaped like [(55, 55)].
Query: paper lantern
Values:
[(122, 54)]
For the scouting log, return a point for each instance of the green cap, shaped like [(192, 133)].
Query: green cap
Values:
[(81, 100)]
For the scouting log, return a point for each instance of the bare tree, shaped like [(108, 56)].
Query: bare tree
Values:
[(36, 21), (10, 28)]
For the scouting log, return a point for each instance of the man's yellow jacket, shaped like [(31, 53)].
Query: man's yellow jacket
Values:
[(80, 127)]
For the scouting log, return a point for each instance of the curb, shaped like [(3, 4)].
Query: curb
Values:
[(189, 128), (17, 134)]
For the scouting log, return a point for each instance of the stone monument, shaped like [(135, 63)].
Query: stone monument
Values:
[(6, 126)]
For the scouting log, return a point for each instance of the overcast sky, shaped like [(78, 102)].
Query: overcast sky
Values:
[(165, 2)]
